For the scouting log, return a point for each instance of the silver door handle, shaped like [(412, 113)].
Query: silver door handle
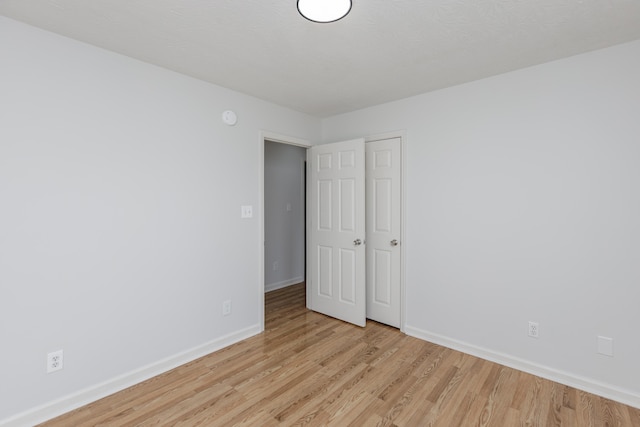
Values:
[(357, 242), (394, 242)]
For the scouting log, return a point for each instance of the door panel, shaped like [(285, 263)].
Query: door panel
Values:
[(325, 271), (383, 199), (336, 281), (381, 213), (382, 282), (324, 204), (347, 208), (347, 276)]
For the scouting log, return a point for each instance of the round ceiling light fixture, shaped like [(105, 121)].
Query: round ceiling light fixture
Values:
[(324, 11)]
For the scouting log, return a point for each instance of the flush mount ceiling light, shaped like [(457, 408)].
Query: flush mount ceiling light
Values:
[(324, 11)]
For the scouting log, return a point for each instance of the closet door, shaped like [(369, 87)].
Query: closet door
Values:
[(383, 231)]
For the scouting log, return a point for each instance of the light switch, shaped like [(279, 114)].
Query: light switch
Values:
[(246, 212)]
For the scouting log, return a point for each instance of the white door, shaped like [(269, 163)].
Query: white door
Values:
[(336, 230), (383, 194)]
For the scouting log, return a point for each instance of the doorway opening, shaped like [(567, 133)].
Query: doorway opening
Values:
[(284, 215), (283, 205)]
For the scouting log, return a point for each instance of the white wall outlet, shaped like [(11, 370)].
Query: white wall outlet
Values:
[(226, 308), (288, 207), (605, 346), (275, 265), (246, 211), (534, 330), (54, 361)]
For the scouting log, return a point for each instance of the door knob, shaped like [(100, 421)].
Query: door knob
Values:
[(394, 242), (357, 242)]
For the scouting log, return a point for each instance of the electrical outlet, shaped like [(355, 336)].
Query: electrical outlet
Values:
[(275, 265), (605, 346), (54, 361), (534, 330), (226, 308)]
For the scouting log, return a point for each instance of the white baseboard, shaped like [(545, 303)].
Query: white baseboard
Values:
[(91, 394), (586, 384), (273, 286)]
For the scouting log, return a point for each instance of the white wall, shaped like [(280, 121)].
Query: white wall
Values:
[(523, 203), (120, 229), (120, 233), (283, 229)]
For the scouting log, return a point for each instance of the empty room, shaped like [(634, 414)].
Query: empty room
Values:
[(270, 213)]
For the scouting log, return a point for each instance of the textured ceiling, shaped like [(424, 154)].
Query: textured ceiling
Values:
[(384, 50)]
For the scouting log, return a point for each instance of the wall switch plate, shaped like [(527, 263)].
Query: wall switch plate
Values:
[(246, 212), (226, 308), (54, 361), (534, 330), (605, 346)]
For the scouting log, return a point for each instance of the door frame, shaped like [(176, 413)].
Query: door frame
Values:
[(300, 142), (403, 198), (282, 139)]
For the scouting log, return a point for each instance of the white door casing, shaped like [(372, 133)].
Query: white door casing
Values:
[(383, 230), (336, 230)]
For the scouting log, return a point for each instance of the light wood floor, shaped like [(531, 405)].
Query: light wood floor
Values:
[(308, 369)]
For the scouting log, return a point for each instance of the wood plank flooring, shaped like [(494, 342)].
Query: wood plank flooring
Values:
[(309, 369)]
